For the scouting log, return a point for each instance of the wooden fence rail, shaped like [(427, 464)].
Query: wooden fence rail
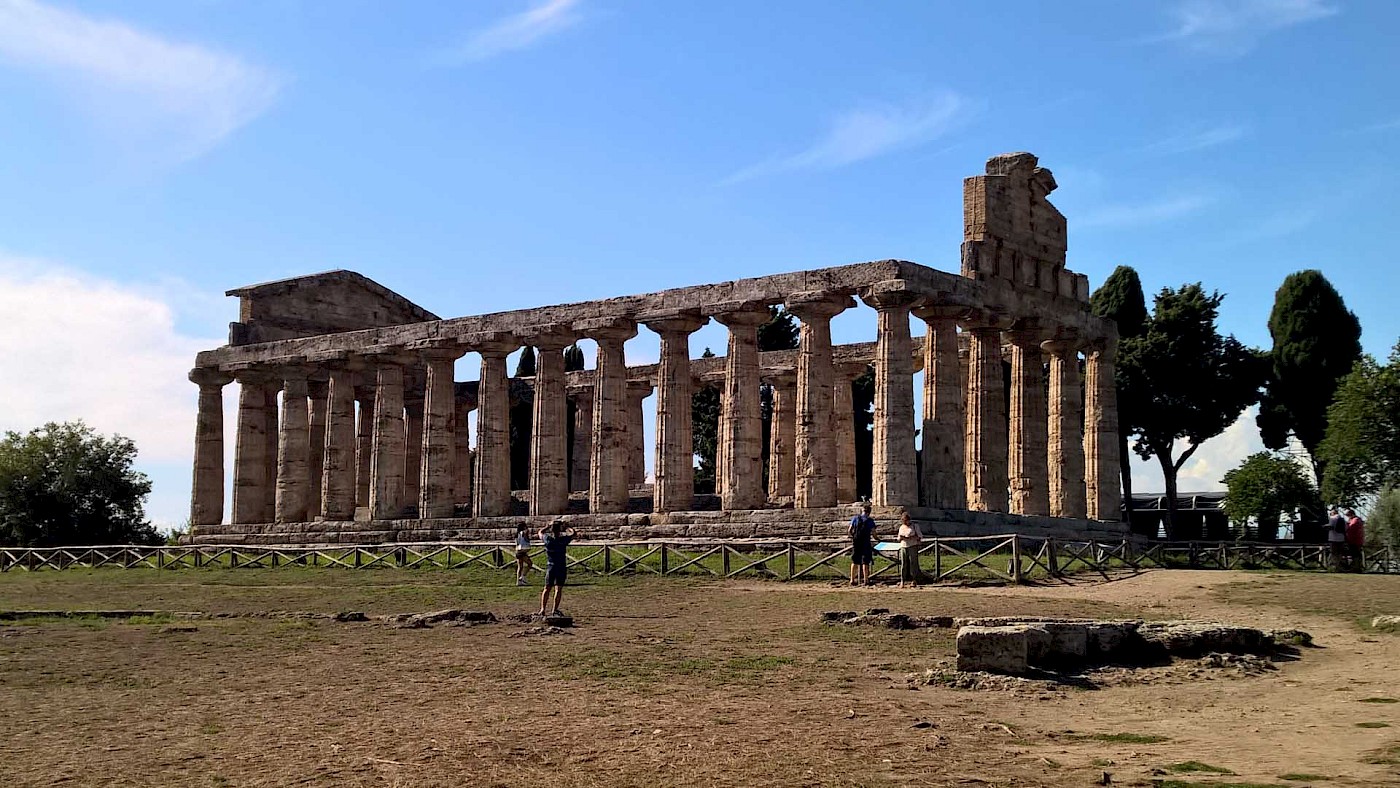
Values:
[(1012, 558)]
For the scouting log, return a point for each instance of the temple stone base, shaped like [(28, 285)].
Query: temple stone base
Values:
[(641, 524)]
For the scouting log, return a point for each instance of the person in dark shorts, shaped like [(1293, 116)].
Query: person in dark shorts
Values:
[(523, 564), (556, 571), (862, 532), (1337, 538)]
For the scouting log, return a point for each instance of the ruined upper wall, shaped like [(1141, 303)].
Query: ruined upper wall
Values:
[(1011, 231), (325, 303)]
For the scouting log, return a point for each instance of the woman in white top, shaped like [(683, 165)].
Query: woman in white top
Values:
[(523, 564), (909, 541)]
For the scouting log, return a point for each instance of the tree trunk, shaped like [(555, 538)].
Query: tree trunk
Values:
[(1125, 465), (1169, 482)]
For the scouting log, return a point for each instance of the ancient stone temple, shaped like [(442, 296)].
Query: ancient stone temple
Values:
[(351, 427)]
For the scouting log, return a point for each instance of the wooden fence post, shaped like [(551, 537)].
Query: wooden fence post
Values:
[(1052, 557), (724, 559), (665, 564), (607, 559), (1016, 559), (791, 559)]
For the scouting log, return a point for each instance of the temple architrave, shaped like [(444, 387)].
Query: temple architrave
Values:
[(352, 429)]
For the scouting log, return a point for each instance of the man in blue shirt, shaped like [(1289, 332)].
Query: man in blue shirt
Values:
[(556, 570), (862, 532)]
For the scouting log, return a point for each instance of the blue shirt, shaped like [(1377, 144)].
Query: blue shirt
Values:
[(556, 549), (862, 527)]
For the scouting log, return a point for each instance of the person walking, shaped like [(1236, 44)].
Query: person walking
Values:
[(556, 569), (1356, 537), (1337, 537), (862, 533), (523, 564), (909, 541)]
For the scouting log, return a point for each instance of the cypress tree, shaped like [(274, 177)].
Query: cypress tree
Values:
[(1317, 341), (1120, 299)]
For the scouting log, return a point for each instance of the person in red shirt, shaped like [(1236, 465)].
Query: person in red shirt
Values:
[(1356, 536)]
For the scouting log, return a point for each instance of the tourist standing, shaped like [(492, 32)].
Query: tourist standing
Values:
[(862, 533), (523, 564), (556, 569), (909, 541), (1337, 537), (1356, 536)]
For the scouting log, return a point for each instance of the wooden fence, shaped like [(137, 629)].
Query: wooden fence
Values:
[(1013, 558)]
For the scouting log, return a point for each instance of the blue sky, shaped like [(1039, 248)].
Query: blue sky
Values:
[(492, 154)]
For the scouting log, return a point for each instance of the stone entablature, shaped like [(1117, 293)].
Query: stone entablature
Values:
[(371, 422)]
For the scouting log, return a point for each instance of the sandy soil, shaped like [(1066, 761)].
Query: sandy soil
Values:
[(663, 682)]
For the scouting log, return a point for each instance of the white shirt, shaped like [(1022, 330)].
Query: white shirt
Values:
[(909, 536)]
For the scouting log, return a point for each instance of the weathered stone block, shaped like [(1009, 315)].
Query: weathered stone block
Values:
[(993, 649)]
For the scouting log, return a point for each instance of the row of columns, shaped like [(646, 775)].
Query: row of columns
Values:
[(318, 462)]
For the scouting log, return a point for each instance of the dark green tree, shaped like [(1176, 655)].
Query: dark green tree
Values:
[(1120, 299), (1267, 486), (780, 332), (1189, 381), (863, 407), (1316, 343), (704, 423), (573, 358), (64, 484), (1383, 521), (525, 367), (522, 416), (1360, 453)]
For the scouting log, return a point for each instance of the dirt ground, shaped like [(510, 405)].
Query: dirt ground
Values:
[(663, 682)]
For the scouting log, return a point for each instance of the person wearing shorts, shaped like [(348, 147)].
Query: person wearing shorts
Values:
[(523, 564), (556, 570), (862, 532)]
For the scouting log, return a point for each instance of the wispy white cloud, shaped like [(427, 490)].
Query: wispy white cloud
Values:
[(869, 132), (1233, 27), (111, 354), (1205, 471), (184, 97), (1135, 214), (1196, 139), (517, 31)]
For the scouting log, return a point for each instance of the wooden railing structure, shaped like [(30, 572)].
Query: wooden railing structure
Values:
[(1012, 558)]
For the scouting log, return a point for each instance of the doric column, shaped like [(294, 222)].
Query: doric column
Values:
[(674, 486), (250, 480), (816, 462), (491, 484), (894, 464), (608, 466), (1066, 438), (637, 392), (549, 447), (364, 440), (1101, 471), (583, 439), (463, 463), (741, 415), (843, 419), (317, 391), (207, 488), (293, 448), (338, 459), (436, 480), (1028, 466), (413, 402), (270, 449), (986, 439), (781, 435), (387, 463), (944, 480)]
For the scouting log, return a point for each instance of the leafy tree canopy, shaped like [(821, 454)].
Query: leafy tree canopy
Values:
[(780, 332), (704, 421), (1383, 524), (1186, 381), (1317, 341), (1120, 299), (1264, 487), (64, 484), (525, 367), (1360, 451)]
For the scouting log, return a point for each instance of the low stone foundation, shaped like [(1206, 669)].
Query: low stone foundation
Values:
[(775, 523)]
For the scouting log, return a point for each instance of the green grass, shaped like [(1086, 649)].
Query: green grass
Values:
[(1378, 700), (1386, 756), (1191, 767), (1120, 738), (1373, 725), (1303, 777)]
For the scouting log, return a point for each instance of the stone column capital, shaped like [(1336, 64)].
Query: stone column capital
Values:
[(1104, 349), (608, 330), (890, 295), (746, 314), (934, 310), (987, 319), (1025, 337), (1061, 346), (675, 322), (549, 339), (439, 351), (210, 377), (780, 378), (639, 389), (816, 305), (254, 374)]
